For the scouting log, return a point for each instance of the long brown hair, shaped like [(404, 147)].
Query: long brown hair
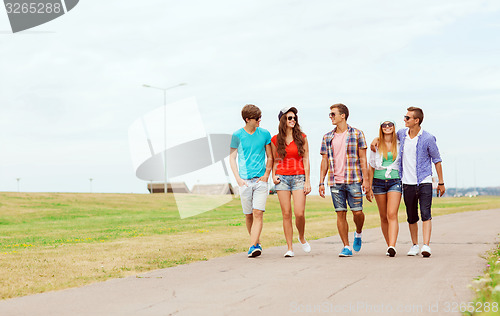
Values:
[(297, 136), (381, 146)]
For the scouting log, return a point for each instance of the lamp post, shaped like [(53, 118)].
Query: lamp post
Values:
[(18, 179), (165, 122), (90, 179)]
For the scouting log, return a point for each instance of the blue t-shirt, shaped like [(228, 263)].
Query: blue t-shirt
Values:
[(251, 151)]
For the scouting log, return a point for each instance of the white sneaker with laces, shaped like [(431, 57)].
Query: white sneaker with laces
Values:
[(426, 251), (289, 254), (414, 250)]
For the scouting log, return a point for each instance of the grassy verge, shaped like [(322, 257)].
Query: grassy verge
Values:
[(487, 288), (51, 241)]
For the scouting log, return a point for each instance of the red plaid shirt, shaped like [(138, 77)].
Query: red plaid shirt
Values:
[(355, 140)]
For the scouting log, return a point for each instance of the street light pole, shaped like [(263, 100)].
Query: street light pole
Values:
[(165, 123)]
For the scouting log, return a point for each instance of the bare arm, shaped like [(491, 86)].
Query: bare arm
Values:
[(371, 172), (441, 188), (269, 163), (322, 174), (374, 144), (307, 167), (274, 150), (364, 170), (234, 167)]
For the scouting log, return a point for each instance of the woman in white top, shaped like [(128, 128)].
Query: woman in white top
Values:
[(386, 183)]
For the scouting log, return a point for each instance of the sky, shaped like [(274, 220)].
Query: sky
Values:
[(71, 89)]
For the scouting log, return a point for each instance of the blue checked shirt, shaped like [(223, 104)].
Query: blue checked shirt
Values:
[(427, 153), (355, 140)]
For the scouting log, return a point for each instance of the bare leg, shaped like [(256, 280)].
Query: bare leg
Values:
[(299, 203), (414, 233), (258, 219), (286, 211), (359, 220), (393, 201), (343, 227), (249, 222), (426, 229), (382, 210)]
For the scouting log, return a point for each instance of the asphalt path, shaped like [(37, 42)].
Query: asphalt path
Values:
[(369, 283)]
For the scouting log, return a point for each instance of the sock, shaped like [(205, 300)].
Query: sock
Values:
[(356, 235)]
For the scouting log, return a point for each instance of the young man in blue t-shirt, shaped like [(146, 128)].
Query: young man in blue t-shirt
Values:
[(251, 144)]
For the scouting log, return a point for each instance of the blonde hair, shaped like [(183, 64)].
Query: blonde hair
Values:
[(381, 146)]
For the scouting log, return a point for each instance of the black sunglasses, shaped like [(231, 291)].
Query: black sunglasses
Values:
[(291, 118), (332, 114), (406, 117), (256, 118), (385, 125)]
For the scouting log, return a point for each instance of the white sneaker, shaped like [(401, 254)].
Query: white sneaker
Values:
[(289, 254), (414, 250), (305, 246), (426, 251)]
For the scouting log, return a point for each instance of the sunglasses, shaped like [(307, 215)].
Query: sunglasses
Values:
[(385, 125), (332, 114), (256, 118), (406, 117), (291, 118)]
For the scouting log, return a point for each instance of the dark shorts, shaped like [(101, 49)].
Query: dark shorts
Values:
[(347, 193), (384, 186), (414, 195)]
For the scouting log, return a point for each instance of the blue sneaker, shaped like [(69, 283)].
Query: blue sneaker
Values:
[(254, 251), (346, 252), (356, 245)]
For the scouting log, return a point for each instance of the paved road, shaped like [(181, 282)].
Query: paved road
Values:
[(369, 283)]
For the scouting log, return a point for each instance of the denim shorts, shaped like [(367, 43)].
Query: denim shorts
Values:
[(253, 195), (418, 194), (291, 183), (347, 193), (385, 186)]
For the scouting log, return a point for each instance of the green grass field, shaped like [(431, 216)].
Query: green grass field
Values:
[(51, 241), (487, 288)]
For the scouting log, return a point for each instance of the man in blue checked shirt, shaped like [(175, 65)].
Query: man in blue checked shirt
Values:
[(418, 150)]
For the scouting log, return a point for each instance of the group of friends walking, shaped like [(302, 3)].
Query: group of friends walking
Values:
[(399, 164)]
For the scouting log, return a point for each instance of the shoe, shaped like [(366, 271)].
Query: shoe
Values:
[(356, 245), (346, 252), (387, 253), (305, 246), (426, 251), (254, 251), (391, 251), (414, 250), (289, 254)]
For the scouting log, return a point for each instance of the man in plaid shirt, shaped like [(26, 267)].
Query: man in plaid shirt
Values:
[(343, 152)]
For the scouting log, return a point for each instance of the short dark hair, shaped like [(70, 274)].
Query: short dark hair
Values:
[(417, 113), (342, 109), (250, 111)]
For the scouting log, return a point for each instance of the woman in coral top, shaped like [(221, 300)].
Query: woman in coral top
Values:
[(291, 172)]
